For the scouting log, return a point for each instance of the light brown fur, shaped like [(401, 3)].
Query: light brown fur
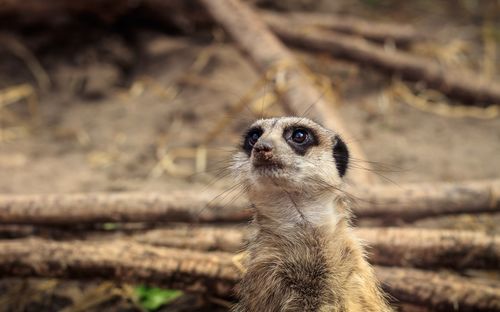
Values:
[(303, 255)]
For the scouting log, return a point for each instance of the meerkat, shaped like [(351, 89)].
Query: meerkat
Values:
[(303, 254)]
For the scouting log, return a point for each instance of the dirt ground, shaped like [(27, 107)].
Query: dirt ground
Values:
[(122, 98)]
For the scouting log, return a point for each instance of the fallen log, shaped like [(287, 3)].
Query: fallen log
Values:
[(16, 231), (213, 273), (447, 293), (271, 57), (419, 200), (375, 31), (405, 247), (407, 202), (426, 248), (177, 206), (122, 261), (463, 85), (203, 238)]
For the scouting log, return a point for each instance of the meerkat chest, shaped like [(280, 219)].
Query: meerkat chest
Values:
[(290, 273)]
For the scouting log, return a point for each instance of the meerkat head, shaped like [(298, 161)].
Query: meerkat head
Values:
[(293, 154)]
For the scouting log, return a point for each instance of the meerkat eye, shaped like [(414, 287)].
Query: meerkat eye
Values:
[(251, 137), (300, 139), (299, 136)]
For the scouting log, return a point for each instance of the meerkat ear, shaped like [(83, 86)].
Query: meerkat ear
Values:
[(341, 155)]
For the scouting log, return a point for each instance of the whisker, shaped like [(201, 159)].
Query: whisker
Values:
[(222, 196)]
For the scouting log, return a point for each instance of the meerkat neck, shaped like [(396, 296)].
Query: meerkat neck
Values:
[(283, 212)]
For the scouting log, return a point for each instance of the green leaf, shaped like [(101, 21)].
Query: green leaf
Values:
[(110, 226), (152, 298)]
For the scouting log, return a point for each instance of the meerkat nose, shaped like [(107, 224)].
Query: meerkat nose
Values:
[(263, 146)]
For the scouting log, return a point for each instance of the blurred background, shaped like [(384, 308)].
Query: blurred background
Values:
[(116, 96)]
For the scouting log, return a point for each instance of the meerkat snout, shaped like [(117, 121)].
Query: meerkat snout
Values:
[(263, 150), (263, 158)]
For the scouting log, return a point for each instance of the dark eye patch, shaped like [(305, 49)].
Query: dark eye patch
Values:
[(250, 138), (341, 155), (307, 139)]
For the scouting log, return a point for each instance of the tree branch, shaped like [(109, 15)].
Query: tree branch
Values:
[(121, 261), (442, 292), (409, 202), (466, 86), (419, 200), (427, 248), (177, 206), (406, 247), (378, 32)]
